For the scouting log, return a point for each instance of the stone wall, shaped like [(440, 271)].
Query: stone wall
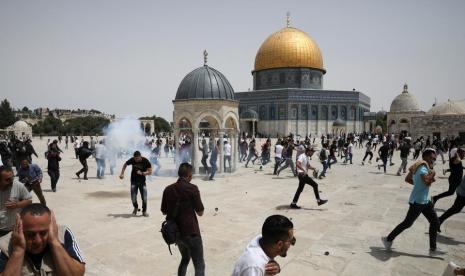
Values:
[(444, 125)]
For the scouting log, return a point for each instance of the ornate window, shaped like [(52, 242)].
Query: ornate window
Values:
[(303, 112), (344, 113), (282, 112), (262, 113), (333, 112), (324, 112), (272, 113)]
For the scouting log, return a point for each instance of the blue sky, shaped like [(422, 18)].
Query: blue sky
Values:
[(128, 57)]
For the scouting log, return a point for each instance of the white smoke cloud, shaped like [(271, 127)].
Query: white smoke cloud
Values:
[(125, 136)]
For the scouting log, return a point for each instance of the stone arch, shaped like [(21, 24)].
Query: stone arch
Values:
[(184, 123), (231, 121), (210, 116), (393, 122), (404, 121), (148, 129)]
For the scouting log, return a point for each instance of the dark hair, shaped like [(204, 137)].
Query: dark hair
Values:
[(5, 168), (276, 228), (185, 169), (136, 153), (35, 209), (427, 152)]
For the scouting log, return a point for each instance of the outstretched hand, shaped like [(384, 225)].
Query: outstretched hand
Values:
[(17, 236)]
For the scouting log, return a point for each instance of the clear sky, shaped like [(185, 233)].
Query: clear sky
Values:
[(128, 57)]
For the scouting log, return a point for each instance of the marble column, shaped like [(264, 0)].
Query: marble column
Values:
[(195, 149), (221, 153)]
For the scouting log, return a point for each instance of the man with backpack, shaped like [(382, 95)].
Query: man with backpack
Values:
[(180, 203)]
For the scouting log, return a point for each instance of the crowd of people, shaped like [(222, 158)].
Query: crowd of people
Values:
[(181, 202)]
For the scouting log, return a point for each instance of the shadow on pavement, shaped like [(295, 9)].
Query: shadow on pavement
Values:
[(383, 255), (287, 207), (448, 240), (122, 215)]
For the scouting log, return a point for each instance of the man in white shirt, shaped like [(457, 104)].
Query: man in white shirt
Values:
[(303, 164), (278, 155), (100, 159), (276, 239), (227, 155)]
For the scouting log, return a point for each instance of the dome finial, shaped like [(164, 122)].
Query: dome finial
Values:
[(205, 57), (405, 88), (288, 19)]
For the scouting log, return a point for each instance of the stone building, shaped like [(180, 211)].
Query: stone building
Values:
[(205, 108), (446, 119), (20, 129), (403, 108), (288, 95)]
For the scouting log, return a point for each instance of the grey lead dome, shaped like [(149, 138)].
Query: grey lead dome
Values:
[(205, 83)]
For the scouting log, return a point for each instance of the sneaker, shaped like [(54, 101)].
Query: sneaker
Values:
[(78, 175), (436, 252), (145, 214), (294, 206), (134, 212), (322, 201), (398, 174), (261, 167), (85, 178), (387, 244), (54, 190)]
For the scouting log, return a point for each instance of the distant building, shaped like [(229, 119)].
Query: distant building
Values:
[(39, 114), (403, 108)]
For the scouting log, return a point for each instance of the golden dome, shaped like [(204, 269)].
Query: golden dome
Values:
[(289, 47)]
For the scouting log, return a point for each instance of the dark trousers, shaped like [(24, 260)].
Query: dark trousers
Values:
[(227, 158), (414, 211), (333, 159), (384, 160), (325, 167), (204, 162), (54, 176), (84, 169), (305, 179), (454, 209), (249, 157), (277, 161), (366, 155), (213, 168), (37, 190), (287, 162), (453, 184), (135, 187), (191, 248)]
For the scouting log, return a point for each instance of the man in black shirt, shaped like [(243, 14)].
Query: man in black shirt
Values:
[(53, 167), (141, 167), (404, 153), (383, 153), (181, 202)]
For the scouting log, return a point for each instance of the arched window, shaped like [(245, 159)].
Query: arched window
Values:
[(403, 121)]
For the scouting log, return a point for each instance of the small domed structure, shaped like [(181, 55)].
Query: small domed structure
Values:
[(447, 108), (205, 83), (404, 102), (21, 129), (403, 108), (205, 108)]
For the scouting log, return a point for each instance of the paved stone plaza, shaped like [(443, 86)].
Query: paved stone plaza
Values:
[(364, 204)]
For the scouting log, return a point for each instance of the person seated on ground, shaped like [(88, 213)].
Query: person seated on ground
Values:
[(38, 246), (13, 197), (276, 239)]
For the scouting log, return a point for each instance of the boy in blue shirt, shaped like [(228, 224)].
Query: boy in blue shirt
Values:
[(421, 175)]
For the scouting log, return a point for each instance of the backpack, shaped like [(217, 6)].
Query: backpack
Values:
[(323, 155), (170, 229)]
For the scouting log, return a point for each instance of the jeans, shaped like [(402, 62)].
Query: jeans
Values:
[(325, 167), (84, 169), (250, 157), (403, 165), (54, 176), (331, 158), (213, 169), (288, 162), (100, 167), (265, 158), (348, 157), (414, 211), (305, 179), (139, 186), (37, 190), (453, 184), (191, 247), (227, 158), (458, 205)]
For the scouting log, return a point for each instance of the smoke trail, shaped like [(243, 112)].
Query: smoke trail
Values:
[(125, 136)]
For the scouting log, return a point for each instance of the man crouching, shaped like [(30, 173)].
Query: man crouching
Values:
[(38, 246)]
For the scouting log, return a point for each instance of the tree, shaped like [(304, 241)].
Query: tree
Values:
[(7, 116), (88, 125), (49, 126)]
